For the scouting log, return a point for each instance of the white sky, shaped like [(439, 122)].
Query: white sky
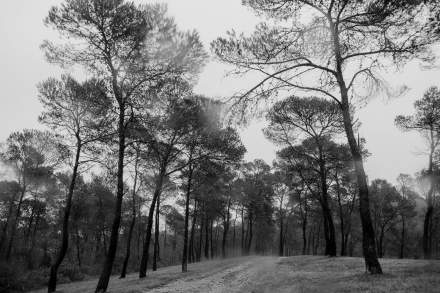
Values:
[(22, 66)]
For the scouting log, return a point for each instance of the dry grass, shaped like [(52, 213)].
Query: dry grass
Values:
[(322, 274), (273, 274)]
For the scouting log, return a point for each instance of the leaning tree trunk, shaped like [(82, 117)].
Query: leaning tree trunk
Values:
[(52, 284), (145, 251), (111, 253), (368, 246)]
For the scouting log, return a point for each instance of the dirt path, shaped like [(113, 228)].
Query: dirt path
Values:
[(257, 274), (238, 278), (230, 275)]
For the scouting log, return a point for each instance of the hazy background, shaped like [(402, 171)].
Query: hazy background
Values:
[(22, 66)]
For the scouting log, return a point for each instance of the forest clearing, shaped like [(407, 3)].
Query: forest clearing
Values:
[(267, 274)]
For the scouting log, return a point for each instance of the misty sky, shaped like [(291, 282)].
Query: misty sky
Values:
[(22, 66)]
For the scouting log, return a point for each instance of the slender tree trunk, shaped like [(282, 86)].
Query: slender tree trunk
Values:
[(305, 250), (207, 238), (199, 248), (156, 235), (225, 229), (281, 236), (32, 244), (380, 244), (185, 235), (427, 227), (111, 253), (133, 220), (369, 249), (402, 238), (341, 216), (192, 234), (329, 228), (233, 234), (78, 247), (248, 246), (128, 248), (145, 251), (242, 231), (427, 223), (211, 239), (52, 284)]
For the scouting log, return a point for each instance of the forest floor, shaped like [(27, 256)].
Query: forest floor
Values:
[(258, 274)]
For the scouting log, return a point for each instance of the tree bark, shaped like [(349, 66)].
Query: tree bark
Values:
[(185, 235), (242, 231), (191, 248), (207, 238), (145, 251), (132, 222), (369, 249), (402, 238), (341, 217), (111, 253), (281, 240), (211, 239), (225, 229), (52, 284), (329, 228), (199, 248), (156, 235), (427, 223)]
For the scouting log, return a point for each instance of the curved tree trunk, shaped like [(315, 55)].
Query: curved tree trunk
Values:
[(368, 246), (111, 253), (52, 284), (145, 251)]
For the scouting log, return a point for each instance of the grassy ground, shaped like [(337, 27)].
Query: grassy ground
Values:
[(287, 274)]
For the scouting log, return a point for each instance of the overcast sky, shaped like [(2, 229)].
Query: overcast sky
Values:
[(22, 66)]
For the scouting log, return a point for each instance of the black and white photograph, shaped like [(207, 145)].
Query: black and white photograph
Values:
[(220, 146)]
